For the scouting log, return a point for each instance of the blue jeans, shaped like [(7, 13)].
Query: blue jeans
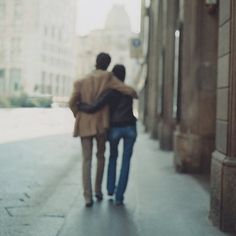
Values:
[(128, 134)]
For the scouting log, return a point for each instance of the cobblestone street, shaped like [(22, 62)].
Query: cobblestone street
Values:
[(41, 193)]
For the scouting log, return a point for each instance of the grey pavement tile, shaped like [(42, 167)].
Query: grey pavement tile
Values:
[(158, 201)]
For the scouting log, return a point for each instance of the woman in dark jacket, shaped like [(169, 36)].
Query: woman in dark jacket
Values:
[(122, 126)]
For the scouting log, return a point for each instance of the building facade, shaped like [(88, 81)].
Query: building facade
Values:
[(114, 39), (189, 94), (37, 46)]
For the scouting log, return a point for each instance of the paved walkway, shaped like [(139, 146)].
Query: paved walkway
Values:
[(41, 192), (159, 201)]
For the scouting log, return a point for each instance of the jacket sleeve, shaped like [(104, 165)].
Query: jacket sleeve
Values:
[(75, 98), (102, 100), (116, 84)]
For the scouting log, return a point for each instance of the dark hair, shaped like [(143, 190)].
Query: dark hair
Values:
[(119, 71), (103, 60)]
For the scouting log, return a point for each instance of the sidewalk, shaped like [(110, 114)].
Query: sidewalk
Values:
[(158, 201)]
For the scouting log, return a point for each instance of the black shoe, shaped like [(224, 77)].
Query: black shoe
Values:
[(99, 197), (89, 204)]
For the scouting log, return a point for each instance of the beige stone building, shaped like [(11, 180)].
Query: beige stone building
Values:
[(37, 46), (114, 39)]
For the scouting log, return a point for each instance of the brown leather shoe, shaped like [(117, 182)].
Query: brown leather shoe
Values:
[(99, 197)]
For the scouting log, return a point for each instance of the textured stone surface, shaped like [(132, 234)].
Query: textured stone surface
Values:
[(192, 152), (223, 192), (206, 124), (229, 197), (222, 104), (151, 85), (216, 187), (188, 154), (224, 11), (223, 71), (165, 136), (169, 82), (224, 36), (221, 136), (194, 144)]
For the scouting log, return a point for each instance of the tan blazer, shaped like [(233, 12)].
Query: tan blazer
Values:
[(88, 90)]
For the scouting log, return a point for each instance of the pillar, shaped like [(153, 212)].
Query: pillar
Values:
[(194, 138)]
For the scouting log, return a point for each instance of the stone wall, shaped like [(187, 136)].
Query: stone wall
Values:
[(223, 167)]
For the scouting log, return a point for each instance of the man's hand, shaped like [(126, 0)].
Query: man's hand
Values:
[(84, 107)]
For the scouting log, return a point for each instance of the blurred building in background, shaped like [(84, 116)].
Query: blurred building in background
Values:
[(37, 46), (113, 39)]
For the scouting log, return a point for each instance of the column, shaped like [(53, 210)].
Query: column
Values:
[(194, 138), (150, 117), (166, 124)]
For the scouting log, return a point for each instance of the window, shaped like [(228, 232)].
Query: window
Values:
[(15, 79), (2, 73), (16, 45), (160, 101), (2, 9), (43, 78), (53, 31), (17, 10), (59, 34), (51, 78), (15, 48), (147, 3), (64, 86), (2, 52), (57, 84), (2, 80), (122, 43), (177, 78)]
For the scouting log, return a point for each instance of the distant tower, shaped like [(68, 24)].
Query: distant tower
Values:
[(118, 34), (114, 39), (118, 19)]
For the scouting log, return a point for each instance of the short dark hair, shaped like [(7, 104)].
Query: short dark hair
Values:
[(103, 60), (119, 71)]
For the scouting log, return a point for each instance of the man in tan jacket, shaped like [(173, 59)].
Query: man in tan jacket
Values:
[(94, 126)]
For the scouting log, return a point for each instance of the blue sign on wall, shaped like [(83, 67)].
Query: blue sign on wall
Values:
[(136, 42)]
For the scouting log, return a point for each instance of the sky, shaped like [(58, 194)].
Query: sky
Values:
[(92, 14)]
